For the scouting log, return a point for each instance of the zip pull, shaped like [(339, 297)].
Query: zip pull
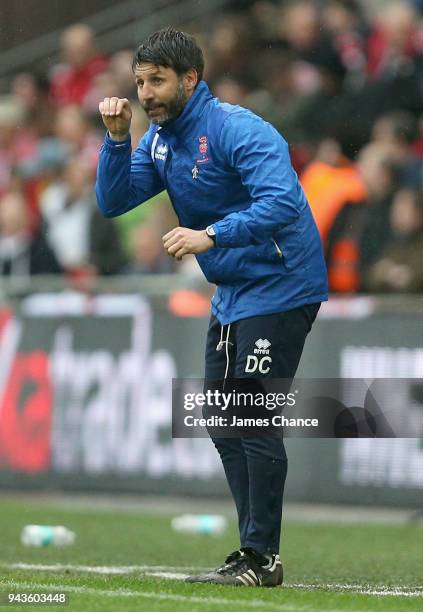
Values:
[(278, 250)]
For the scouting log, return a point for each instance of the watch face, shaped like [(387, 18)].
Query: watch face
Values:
[(210, 231)]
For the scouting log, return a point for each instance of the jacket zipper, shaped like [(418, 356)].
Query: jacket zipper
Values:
[(166, 184), (279, 252), (168, 156)]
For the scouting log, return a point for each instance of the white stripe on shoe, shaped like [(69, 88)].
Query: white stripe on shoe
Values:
[(254, 576), (244, 580), (249, 578)]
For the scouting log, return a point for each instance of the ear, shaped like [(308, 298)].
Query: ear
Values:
[(191, 79)]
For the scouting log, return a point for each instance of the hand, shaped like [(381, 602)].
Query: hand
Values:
[(116, 114), (181, 241)]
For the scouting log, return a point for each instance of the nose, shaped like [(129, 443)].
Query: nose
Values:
[(146, 92)]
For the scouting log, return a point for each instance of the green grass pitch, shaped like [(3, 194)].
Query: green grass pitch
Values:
[(328, 567)]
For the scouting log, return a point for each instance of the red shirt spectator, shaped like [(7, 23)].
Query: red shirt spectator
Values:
[(72, 81), (394, 40)]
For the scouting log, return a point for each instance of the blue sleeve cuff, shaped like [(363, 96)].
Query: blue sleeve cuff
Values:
[(116, 146)]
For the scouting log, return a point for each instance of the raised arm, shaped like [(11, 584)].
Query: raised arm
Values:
[(124, 180)]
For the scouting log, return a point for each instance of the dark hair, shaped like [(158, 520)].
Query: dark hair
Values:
[(171, 49)]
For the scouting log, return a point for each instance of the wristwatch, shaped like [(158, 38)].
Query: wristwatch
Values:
[(211, 233)]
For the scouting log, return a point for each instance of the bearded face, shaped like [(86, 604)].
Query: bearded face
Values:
[(162, 93)]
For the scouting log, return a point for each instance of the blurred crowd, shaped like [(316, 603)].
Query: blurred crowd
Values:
[(343, 85)]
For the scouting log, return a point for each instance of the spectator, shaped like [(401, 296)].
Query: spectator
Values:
[(394, 40), (336, 192), (399, 130), (313, 49), (105, 84), (80, 237), (399, 266), (321, 106), (395, 66), (299, 26), (73, 128), (378, 169), (17, 143), (275, 97), (33, 92), (71, 81), (121, 67), (344, 22), (39, 171), (22, 254), (231, 46), (331, 182), (117, 77)]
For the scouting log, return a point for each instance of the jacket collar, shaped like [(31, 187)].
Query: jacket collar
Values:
[(191, 113)]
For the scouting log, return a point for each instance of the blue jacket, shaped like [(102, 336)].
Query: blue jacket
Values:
[(223, 165)]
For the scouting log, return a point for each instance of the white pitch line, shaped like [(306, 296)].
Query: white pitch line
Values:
[(169, 575), (381, 590), (216, 601), (355, 588), (99, 569), (173, 573)]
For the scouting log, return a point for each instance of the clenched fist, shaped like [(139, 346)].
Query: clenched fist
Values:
[(180, 241), (116, 114)]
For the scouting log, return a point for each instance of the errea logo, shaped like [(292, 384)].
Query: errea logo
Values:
[(161, 152), (263, 347), (262, 364)]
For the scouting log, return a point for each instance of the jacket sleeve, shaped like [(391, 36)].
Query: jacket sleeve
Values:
[(123, 180), (260, 156)]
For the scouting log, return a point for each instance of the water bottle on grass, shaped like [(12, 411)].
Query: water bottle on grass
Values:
[(205, 524), (47, 535)]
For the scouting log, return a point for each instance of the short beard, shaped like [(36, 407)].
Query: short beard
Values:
[(174, 107)]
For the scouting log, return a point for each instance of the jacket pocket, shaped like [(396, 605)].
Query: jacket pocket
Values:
[(289, 250)]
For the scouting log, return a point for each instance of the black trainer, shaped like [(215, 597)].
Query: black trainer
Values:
[(208, 577), (245, 567)]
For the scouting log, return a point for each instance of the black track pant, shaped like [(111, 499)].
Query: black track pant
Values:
[(256, 467)]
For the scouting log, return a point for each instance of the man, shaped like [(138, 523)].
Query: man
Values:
[(22, 254), (243, 214), (73, 79)]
